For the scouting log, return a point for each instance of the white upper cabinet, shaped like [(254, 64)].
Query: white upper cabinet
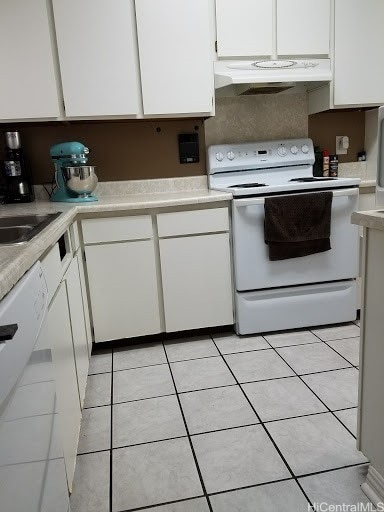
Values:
[(176, 56), (303, 26), (359, 40), (28, 87), (244, 28), (98, 57)]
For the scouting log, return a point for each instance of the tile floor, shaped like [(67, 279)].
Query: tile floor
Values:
[(223, 424)]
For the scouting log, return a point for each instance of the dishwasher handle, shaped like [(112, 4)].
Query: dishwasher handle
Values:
[(7, 332), (251, 201)]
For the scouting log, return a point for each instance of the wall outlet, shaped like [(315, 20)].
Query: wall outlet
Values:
[(342, 144)]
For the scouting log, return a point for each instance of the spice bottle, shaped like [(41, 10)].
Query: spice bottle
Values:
[(326, 163), (333, 166)]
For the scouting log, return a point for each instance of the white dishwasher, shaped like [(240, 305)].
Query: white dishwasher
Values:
[(32, 470)]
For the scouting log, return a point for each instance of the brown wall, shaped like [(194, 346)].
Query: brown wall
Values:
[(323, 128), (121, 150), (143, 149)]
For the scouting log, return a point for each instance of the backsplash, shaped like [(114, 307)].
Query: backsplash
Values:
[(323, 128), (254, 118), (148, 149), (121, 150)]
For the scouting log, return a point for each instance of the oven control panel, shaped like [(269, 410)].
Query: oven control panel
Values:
[(255, 155)]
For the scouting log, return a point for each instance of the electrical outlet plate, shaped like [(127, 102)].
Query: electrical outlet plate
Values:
[(339, 150)]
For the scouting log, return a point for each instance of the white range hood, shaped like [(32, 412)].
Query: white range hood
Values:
[(262, 75)]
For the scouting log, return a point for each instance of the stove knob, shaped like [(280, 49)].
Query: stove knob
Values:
[(282, 151), (219, 156), (305, 148), (294, 150), (230, 155)]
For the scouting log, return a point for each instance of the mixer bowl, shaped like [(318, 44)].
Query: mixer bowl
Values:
[(80, 179)]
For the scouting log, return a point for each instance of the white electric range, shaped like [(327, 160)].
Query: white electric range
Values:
[(273, 295)]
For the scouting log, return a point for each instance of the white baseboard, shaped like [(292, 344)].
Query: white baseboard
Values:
[(373, 487)]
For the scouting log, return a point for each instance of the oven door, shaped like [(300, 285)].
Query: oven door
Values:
[(254, 270)]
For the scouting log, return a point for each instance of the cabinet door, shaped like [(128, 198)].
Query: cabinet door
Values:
[(79, 333), (196, 276), (303, 27), (244, 28), (84, 294), (176, 56), (28, 84), (98, 57), (68, 404), (359, 38), (123, 289)]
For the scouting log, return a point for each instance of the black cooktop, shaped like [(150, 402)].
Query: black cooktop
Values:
[(312, 178), (248, 185)]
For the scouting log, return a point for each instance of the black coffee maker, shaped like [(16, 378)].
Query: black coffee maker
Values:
[(18, 183)]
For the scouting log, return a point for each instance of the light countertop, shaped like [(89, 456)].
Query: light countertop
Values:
[(373, 219), (15, 260)]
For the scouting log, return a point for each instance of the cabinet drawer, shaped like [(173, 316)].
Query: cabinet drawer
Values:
[(116, 229), (55, 263), (193, 222)]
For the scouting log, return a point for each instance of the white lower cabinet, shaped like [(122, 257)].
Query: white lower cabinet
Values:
[(134, 270), (87, 319), (123, 289), (59, 336), (196, 276), (78, 325), (370, 420), (67, 333)]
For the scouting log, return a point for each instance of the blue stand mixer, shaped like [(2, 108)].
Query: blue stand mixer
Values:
[(74, 179)]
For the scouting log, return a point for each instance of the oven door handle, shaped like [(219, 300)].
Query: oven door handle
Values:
[(260, 200)]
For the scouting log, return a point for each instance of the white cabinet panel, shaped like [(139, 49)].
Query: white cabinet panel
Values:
[(53, 270), (371, 412), (192, 222), (28, 85), (98, 57), (196, 275), (75, 236), (58, 327), (80, 261), (303, 27), (79, 333), (176, 56), (123, 289), (359, 39), (244, 28), (117, 229)]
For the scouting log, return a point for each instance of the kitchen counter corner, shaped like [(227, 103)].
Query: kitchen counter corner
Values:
[(16, 260), (373, 219)]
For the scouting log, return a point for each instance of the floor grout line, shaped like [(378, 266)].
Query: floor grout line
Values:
[(326, 342), (267, 433), (202, 483), (111, 444), (226, 491), (315, 473), (149, 507), (322, 401)]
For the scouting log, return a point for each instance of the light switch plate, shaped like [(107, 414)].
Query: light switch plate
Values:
[(339, 150)]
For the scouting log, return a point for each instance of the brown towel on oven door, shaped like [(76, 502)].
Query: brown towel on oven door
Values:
[(297, 225)]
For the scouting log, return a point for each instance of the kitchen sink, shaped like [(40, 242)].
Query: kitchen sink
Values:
[(22, 228)]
